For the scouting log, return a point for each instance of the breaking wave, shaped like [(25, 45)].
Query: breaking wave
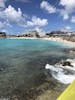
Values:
[(64, 74)]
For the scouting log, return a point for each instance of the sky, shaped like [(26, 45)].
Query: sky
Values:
[(17, 16)]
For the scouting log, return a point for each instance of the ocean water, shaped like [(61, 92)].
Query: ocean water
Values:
[(23, 61), (64, 74)]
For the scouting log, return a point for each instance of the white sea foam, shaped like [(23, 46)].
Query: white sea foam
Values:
[(64, 74)]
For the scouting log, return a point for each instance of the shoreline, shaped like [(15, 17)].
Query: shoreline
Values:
[(56, 39), (59, 39)]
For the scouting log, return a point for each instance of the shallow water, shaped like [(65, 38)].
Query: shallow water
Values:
[(22, 61)]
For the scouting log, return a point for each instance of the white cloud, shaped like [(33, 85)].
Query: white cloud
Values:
[(68, 3), (2, 3), (67, 28), (64, 14), (3, 24), (48, 7), (69, 8), (73, 19), (40, 31), (36, 21), (4, 30), (12, 15)]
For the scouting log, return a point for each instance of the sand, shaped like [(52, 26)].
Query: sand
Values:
[(57, 39)]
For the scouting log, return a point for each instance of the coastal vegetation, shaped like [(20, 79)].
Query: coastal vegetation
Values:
[(69, 36), (30, 34)]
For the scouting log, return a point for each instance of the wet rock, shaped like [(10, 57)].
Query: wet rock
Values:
[(34, 92), (66, 63)]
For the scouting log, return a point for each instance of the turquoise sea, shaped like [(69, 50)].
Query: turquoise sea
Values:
[(22, 61)]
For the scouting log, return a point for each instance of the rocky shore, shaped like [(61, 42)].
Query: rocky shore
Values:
[(45, 91)]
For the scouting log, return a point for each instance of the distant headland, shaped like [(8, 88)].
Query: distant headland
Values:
[(3, 35), (35, 34)]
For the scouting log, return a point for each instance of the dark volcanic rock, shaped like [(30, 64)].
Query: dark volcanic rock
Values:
[(56, 33), (66, 63), (2, 34)]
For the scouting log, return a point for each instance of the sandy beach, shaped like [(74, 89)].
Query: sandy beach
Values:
[(57, 39)]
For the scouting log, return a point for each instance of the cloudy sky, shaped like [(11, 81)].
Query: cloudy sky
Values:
[(19, 15)]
